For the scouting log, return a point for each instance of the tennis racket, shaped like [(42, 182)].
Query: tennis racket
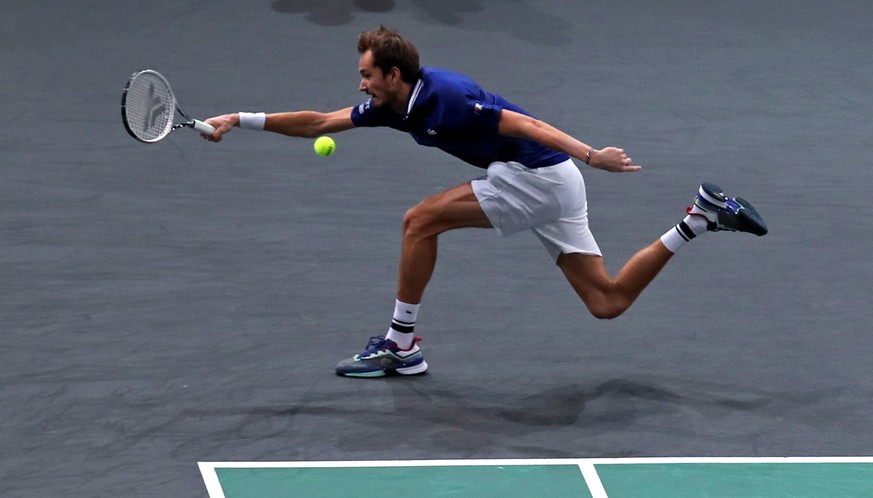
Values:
[(148, 107)]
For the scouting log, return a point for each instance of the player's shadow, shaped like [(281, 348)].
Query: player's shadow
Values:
[(466, 419), (521, 19), (331, 12)]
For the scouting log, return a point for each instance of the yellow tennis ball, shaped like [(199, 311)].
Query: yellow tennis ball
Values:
[(324, 146)]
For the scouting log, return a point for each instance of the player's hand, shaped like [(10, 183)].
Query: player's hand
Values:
[(613, 159), (222, 125)]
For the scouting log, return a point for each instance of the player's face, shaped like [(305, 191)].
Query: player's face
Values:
[(382, 88)]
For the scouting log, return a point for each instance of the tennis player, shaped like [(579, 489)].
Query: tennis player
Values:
[(530, 183)]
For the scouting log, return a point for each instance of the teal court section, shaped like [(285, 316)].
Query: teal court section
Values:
[(554, 481), (738, 480), (606, 478)]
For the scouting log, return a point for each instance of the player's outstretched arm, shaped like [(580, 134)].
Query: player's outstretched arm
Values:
[(294, 124), (518, 125)]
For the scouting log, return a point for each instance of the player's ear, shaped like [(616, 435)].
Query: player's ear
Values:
[(395, 74)]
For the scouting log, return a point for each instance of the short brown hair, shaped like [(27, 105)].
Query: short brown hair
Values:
[(391, 50)]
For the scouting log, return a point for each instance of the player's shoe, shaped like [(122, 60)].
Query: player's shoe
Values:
[(381, 357), (734, 214)]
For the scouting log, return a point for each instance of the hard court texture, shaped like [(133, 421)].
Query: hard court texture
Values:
[(187, 301)]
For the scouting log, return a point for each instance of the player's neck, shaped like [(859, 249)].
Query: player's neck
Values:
[(400, 104)]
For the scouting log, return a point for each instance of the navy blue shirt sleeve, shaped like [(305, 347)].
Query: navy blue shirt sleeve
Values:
[(484, 116), (368, 115)]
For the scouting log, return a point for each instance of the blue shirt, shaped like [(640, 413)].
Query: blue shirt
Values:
[(450, 111)]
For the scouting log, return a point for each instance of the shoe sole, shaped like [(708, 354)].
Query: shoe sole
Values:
[(713, 194), (416, 369)]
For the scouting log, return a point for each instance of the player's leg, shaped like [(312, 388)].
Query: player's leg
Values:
[(607, 297), (454, 208), (398, 351)]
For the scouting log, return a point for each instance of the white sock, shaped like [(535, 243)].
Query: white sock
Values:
[(690, 227), (403, 324), (697, 223)]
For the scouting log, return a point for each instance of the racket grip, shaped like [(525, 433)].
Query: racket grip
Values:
[(204, 128)]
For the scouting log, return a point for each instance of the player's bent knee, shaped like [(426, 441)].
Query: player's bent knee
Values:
[(416, 222), (604, 309), (605, 314)]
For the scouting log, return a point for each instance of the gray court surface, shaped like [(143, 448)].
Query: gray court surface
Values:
[(181, 302)]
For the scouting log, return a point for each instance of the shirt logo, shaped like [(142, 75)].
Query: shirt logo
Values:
[(477, 108), (431, 131)]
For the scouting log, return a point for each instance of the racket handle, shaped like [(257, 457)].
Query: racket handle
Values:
[(204, 128)]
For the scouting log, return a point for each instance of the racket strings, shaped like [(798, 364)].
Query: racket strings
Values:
[(149, 107)]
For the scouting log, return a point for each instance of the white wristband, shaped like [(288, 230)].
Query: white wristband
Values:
[(252, 120)]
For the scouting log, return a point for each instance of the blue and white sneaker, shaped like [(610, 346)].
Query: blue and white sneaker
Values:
[(381, 357), (726, 213)]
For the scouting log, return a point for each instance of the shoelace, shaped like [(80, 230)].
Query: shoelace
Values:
[(378, 343)]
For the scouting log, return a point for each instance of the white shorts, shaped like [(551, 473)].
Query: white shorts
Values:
[(549, 201)]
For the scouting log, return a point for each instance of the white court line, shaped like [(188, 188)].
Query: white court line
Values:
[(210, 479), (595, 486), (533, 461), (586, 465)]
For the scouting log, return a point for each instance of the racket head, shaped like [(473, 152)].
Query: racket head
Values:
[(148, 106)]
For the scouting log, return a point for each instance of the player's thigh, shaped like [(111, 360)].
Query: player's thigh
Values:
[(453, 208)]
